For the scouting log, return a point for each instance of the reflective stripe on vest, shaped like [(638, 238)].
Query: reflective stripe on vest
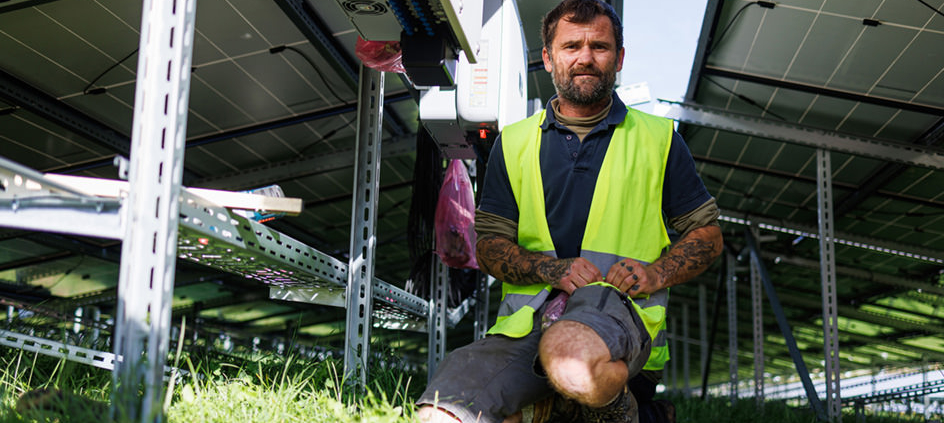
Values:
[(625, 218)]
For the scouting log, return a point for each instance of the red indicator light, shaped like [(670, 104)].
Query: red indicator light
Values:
[(203, 241), (483, 133)]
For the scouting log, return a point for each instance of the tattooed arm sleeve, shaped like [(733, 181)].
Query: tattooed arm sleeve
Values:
[(689, 256), (509, 262)]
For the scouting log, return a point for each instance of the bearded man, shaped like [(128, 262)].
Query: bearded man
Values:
[(582, 187)]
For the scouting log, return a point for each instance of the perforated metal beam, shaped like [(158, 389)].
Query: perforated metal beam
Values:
[(847, 239), (785, 329), (827, 259), (149, 248), (757, 318), (807, 136), (731, 285), (439, 288), (363, 225), (480, 323)]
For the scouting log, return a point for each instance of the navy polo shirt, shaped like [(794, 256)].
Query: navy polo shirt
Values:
[(569, 169)]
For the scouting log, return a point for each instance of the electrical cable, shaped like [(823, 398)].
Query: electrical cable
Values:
[(280, 49), (764, 4), (323, 138), (745, 99), (86, 90), (931, 7)]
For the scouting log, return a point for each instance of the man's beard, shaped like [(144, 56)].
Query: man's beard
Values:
[(584, 94)]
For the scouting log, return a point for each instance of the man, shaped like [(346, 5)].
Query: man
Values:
[(570, 193)]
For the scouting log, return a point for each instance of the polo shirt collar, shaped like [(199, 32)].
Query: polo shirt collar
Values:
[(615, 117)]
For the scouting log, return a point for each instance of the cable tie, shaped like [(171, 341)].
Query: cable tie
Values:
[(870, 22), (767, 4), (277, 49), (96, 91)]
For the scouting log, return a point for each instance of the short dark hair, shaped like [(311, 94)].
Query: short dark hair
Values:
[(580, 12)]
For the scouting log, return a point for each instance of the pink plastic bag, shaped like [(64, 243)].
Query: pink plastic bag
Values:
[(385, 56), (455, 219)]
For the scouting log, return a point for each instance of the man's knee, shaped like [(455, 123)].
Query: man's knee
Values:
[(430, 414), (577, 363)]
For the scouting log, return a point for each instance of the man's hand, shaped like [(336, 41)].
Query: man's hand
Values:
[(576, 273), (511, 263), (686, 259), (633, 278)]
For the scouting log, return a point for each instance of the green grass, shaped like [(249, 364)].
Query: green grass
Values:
[(266, 388), (270, 388)]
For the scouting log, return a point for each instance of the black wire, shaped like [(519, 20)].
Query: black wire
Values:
[(727, 27), (931, 7), (745, 99), (313, 66), (323, 138), (86, 89)]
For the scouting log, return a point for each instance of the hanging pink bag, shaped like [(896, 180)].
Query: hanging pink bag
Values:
[(455, 219)]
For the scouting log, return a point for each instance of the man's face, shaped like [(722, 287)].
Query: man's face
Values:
[(583, 61)]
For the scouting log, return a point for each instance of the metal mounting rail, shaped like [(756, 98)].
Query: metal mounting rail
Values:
[(100, 359), (902, 392), (28, 200), (212, 236), (912, 155), (209, 234)]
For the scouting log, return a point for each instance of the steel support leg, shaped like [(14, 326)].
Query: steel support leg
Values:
[(686, 353), (149, 250), (827, 259), (703, 328), (785, 329), (481, 305), (732, 327), (926, 399), (673, 346), (363, 225), (757, 309), (437, 314)]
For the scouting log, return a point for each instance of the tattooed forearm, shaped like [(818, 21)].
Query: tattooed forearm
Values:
[(512, 263), (690, 256)]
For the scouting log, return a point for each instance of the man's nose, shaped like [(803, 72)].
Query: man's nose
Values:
[(585, 55)]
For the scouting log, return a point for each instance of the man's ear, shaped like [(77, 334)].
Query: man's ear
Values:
[(548, 63), (619, 62)]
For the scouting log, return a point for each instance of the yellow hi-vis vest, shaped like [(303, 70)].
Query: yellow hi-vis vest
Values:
[(625, 217)]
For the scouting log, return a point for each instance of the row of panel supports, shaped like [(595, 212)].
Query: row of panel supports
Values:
[(761, 284), (147, 223)]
